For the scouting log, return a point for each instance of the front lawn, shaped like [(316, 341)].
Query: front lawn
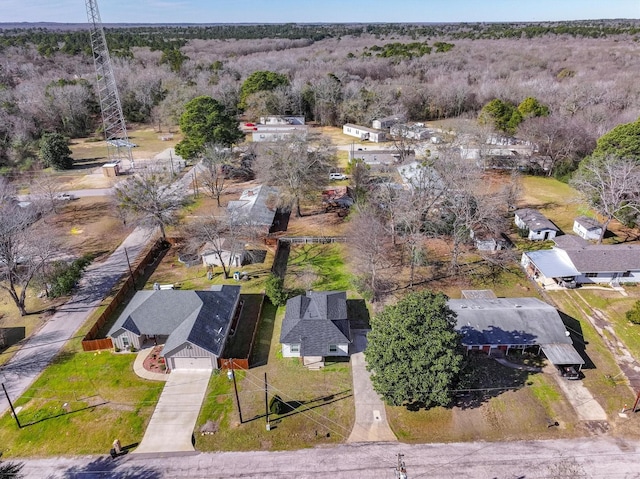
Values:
[(506, 404), (320, 403), (80, 404)]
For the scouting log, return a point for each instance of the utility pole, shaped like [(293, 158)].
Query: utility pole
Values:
[(13, 411), (133, 280), (235, 388), (266, 402), (401, 470)]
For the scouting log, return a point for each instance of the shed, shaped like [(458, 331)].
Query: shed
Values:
[(538, 226), (111, 170), (587, 228)]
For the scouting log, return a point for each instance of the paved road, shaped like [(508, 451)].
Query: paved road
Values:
[(27, 364), (174, 418), (371, 419), (594, 458)]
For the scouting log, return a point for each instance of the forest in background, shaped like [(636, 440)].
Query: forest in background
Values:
[(584, 72)]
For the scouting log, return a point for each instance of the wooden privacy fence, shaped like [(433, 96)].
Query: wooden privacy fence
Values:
[(243, 363), (91, 342)]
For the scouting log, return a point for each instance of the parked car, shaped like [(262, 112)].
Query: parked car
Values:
[(568, 372), (65, 197), (337, 176)]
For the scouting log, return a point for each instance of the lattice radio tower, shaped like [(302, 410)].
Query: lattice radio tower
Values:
[(115, 129)]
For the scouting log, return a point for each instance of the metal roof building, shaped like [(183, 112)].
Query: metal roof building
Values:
[(505, 323)]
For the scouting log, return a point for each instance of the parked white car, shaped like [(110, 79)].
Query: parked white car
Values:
[(65, 197), (337, 176)]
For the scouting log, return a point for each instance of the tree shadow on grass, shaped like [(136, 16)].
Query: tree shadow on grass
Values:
[(292, 407)]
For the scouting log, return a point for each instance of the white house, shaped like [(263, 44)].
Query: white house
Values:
[(580, 262), (274, 132), (282, 120), (538, 226), (387, 122), (364, 133), (587, 228)]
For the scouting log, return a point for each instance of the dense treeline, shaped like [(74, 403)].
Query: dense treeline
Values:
[(332, 74)]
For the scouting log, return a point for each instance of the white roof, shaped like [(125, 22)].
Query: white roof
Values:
[(553, 263)]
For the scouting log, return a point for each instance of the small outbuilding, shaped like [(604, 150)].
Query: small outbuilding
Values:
[(587, 228), (537, 226)]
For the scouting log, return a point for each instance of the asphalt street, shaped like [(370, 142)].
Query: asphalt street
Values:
[(598, 457)]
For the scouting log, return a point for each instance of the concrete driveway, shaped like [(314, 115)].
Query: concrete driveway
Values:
[(171, 426), (371, 418)]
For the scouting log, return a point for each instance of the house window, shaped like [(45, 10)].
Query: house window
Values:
[(333, 348), (591, 275), (295, 348), (125, 342)]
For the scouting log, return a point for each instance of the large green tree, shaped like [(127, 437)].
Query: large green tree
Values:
[(205, 121), (261, 81), (622, 141), (414, 352), (55, 152), (502, 115)]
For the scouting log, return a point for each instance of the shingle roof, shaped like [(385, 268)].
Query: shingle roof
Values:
[(588, 223), (570, 242), (316, 320), (253, 206), (202, 318), (535, 220), (604, 258), (508, 321)]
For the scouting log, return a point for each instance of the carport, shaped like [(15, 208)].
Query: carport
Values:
[(562, 355)]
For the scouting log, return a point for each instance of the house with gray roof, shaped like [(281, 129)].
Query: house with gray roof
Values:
[(192, 325), (579, 262), (502, 324), (315, 326), (256, 206), (538, 226), (587, 228)]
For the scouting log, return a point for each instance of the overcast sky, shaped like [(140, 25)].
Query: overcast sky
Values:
[(278, 11)]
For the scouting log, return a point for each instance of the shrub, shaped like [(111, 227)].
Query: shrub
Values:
[(274, 289), (633, 314), (63, 277)]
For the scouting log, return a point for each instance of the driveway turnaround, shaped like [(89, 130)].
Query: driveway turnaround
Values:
[(371, 418), (175, 416)]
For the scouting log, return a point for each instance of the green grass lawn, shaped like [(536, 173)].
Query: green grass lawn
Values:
[(556, 200), (321, 403), (601, 366), (79, 405), (318, 266)]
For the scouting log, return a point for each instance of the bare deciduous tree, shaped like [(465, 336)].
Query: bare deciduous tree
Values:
[(151, 198), (23, 249), (367, 239), (611, 186), (213, 176), (299, 166)]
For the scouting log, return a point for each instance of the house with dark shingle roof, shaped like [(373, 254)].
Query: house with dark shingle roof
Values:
[(580, 262), (539, 227), (192, 325), (502, 324), (315, 326)]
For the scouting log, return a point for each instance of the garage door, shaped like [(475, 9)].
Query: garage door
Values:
[(191, 363)]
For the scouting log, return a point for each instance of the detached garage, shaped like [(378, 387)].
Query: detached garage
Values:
[(193, 325)]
